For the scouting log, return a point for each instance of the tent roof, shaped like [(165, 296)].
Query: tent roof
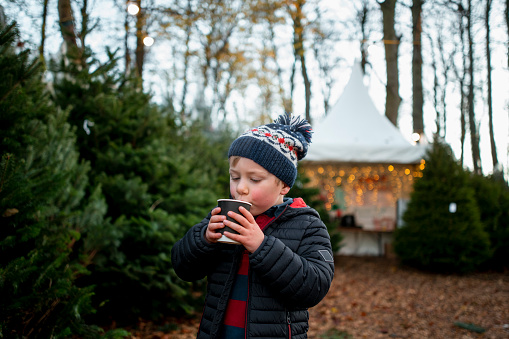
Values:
[(354, 131)]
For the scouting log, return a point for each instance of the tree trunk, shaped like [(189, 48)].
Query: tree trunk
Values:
[(127, 56), (298, 45), (187, 57), (463, 122), (418, 99), (460, 74), (84, 23), (489, 94), (140, 48), (84, 32), (307, 86), (43, 29), (436, 87), (67, 25), (362, 15), (391, 43), (447, 65), (474, 136), (463, 96)]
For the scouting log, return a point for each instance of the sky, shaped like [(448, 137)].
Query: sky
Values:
[(158, 67)]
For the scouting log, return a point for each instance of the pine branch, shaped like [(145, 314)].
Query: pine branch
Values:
[(8, 157)]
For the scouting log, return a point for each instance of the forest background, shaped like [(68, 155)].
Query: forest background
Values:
[(237, 59), (111, 150)]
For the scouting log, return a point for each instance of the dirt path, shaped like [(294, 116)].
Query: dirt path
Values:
[(375, 298)]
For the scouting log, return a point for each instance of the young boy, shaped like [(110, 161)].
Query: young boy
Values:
[(262, 289)]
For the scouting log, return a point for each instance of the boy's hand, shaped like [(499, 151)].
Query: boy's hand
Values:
[(215, 223), (250, 235)]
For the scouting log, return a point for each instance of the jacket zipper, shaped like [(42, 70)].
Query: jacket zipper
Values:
[(289, 322), (249, 285)]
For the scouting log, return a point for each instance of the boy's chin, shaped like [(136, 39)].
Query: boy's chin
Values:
[(254, 211)]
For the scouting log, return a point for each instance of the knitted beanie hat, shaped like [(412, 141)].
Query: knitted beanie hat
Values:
[(276, 147)]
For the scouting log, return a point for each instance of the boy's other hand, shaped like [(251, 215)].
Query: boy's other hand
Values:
[(215, 223), (250, 235)]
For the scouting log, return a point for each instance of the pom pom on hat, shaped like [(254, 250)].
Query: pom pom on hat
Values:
[(276, 147), (297, 125)]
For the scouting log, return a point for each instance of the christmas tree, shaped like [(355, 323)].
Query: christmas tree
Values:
[(442, 227), (158, 180), (42, 207)]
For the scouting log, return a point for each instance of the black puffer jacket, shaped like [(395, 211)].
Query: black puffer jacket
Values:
[(291, 271)]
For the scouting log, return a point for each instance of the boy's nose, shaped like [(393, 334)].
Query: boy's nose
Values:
[(242, 188)]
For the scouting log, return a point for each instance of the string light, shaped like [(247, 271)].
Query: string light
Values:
[(362, 185)]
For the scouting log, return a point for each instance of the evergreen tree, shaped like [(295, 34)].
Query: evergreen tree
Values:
[(42, 208), (310, 196), (443, 230), (158, 179), (492, 197)]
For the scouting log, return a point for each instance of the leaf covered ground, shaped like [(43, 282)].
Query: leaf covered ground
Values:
[(377, 298)]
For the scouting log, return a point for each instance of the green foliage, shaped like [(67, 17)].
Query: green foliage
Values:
[(433, 238), (41, 200), (158, 180), (310, 196), (492, 197)]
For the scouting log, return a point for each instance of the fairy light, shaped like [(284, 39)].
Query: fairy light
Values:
[(362, 185), (133, 8)]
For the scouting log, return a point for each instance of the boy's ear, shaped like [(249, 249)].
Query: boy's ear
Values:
[(285, 189)]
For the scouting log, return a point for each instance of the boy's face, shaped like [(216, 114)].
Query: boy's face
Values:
[(252, 183)]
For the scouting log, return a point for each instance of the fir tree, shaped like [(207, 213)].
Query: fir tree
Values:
[(158, 180), (41, 200), (492, 197), (442, 230), (311, 197)]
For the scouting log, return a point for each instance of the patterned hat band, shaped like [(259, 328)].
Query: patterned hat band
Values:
[(276, 147), (279, 139)]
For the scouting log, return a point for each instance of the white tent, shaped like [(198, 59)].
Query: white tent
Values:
[(354, 131), (364, 167)]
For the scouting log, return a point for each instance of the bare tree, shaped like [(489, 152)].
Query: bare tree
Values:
[(139, 53), (43, 29), (441, 91), (391, 43), (439, 121), (362, 16), (222, 62), (286, 98), (460, 73), (489, 90), (127, 55), (324, 38), (186, 58), (418, 100), (296, 10), (474, 135)]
